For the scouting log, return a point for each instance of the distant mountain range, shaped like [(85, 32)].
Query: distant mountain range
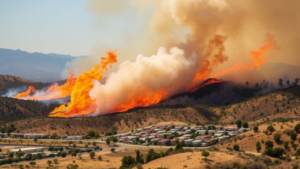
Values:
[(37, 67)]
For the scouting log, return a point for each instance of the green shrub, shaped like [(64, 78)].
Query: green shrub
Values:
[(205, 153), (236, 147), (269, 144), (92, 154), (295, 166), (255, 128), (277, 137), (293, 135)]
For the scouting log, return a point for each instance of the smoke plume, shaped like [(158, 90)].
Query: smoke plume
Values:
[(193, 40)]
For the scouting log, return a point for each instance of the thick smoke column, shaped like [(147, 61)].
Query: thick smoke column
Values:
[(179, 67), (144, 82)]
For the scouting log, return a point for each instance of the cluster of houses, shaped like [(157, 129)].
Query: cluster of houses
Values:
[(171, 135)]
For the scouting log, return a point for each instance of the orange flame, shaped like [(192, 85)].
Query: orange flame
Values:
[(206, 83), (259, 58), (55, 91), (141, 100), (30, 89), (79, 89), (216, 50), (81, 103)]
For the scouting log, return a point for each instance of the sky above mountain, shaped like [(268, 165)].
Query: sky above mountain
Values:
[(65, 27), (133, 27)]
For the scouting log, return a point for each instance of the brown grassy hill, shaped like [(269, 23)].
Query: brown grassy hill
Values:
[(260, 109), (122, 122), (14, 109), (247, 141), (8, 82), (282, 103)]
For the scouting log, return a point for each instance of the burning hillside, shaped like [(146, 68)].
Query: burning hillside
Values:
[(145, 82), (192, 41)]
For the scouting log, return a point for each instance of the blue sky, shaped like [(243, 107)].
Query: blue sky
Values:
[(62, 26)]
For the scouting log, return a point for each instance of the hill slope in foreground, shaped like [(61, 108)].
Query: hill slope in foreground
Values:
[(265, 108)]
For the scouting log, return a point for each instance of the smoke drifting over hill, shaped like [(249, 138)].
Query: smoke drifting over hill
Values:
[(195, 40)]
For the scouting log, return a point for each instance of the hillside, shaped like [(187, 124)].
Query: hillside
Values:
[(190, 114), (283, 103), (33, 66), (247, 141), (12, 82), (14, 109), (122, 122)]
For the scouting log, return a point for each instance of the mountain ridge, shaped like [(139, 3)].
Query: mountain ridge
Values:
[(33, 66)]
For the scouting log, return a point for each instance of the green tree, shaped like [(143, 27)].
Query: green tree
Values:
[(92, 154), (236, 147), (74, 154), (63, 154), (72, 166), (107, 141), (35, 139), (297, 153), (11, 155), (238, 124), (49, 162), (32, 163), (258, 147), (297, 127), (128, 162), (178, 147), (269, 144), (115, 139), (268, 151), (295, 166), (206, 132), (51, 148), (277, 137), (112, 150), (278, 152), (55, 161), (286, 144), (270, 128), (245, 125), (255, 129), (293, 135), (99, 158), (94, 144), (205, 154), (138, 156), (91, 133)]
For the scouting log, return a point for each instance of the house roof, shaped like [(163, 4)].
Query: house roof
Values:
[(206, 141), (204, 136)]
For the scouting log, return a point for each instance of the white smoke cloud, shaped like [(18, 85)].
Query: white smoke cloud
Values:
[(169, 72)]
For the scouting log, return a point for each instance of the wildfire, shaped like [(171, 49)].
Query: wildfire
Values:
[(206, 83), (30, 90), (53, 92), (258, 59), (81, 103), (142, 100), (84, 103), (216, 50)]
